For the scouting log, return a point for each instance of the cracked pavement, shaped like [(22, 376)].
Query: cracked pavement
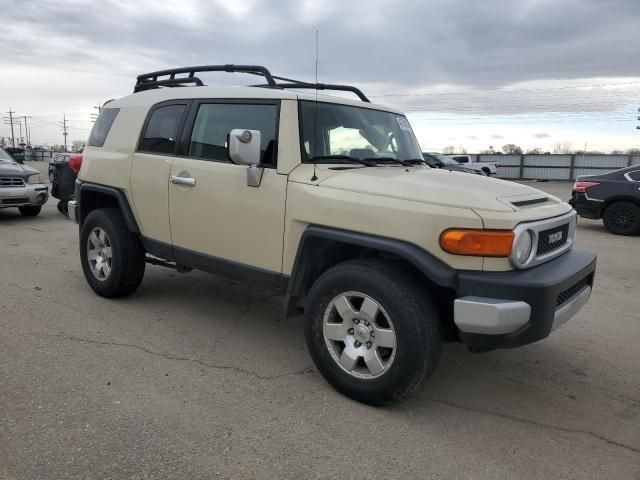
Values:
[(197, 377)]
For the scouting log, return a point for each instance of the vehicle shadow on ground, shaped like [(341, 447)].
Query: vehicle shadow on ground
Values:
[(226, 318)]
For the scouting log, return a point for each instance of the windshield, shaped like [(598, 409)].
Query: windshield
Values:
[(334, 130), (443, 158), (5, 157)]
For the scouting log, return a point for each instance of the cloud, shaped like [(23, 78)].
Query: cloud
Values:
[(496, 137), (472, 137), (60, 55), (541, 135)]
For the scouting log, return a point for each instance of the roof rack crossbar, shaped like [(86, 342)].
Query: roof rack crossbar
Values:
[(149, 81)]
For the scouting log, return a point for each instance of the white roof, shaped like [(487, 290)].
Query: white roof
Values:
[(148, 98)]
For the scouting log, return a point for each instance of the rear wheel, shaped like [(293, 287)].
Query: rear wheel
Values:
[(372, 331), (113, 259), (63, 207), (622, 218), (30, 210), (486, 171)]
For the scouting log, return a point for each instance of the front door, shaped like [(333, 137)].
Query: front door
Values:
[(218, 222)]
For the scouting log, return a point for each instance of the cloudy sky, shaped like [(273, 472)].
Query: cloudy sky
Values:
[(470, 73)]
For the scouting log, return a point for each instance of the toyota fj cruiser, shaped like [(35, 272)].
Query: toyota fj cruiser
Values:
[(329, 202)]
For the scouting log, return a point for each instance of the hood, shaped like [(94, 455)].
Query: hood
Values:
[(16, 170), (431, 185)]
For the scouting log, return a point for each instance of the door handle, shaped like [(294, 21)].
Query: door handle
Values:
[(188, 181)]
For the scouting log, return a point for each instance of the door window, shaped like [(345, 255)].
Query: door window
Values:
[(214, 122), (162, 130), (634, 176)]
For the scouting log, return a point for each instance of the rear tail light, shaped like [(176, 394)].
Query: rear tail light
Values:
[(581, 187), (75, 162)]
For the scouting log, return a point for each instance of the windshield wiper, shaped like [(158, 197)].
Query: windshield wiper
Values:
[(415, 161), (340, 159), (385, 159)]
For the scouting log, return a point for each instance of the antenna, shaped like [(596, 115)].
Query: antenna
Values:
[(315, 116)]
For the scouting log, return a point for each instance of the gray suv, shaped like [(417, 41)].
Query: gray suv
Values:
[(21, 186)]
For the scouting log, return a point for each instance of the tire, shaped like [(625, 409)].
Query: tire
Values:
[(622, 218), (63, 207), (30, 210), (112, 258), (487, 172), (404, 308)]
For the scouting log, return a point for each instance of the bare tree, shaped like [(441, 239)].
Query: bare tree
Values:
[(633, 151), (564, 148), (77, 144), (449, 150), (534, 151), (511, 149)]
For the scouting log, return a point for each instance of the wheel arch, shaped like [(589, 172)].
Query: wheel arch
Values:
[(620, 198), (321, 248), (91, 196)]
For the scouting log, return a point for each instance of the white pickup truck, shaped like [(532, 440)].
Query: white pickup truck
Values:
[(488, 168)]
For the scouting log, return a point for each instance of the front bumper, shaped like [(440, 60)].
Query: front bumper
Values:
[(585, 206), (31, 194), (510, 309)]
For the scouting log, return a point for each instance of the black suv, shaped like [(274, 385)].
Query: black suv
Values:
[(613, 196)]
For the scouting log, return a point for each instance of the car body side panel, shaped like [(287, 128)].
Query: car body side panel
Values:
[(412, 222), (111, 164)]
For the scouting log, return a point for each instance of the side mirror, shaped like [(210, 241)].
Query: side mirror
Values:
[(244, 149)]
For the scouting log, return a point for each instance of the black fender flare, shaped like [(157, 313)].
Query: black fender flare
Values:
[(84, 189), (315, 238)]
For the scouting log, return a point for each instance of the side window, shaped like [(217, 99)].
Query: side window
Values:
[(162, 130), (634, 176), (461, 159), (102, 126), (214, 122)]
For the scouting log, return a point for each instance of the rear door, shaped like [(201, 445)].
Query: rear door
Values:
[(151, 168), (218, 222)]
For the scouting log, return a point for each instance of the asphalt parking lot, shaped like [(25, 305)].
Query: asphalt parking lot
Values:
[(196, 377)]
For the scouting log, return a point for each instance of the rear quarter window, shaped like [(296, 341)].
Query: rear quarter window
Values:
[(102, 126)]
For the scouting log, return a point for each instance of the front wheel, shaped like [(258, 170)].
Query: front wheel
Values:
[(30, 210), (112, 258), (372, 330), (622, 218)]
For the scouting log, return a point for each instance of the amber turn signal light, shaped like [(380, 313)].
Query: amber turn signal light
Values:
[(481, 243)]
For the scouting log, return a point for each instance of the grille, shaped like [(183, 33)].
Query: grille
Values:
[(571, 291), (545, 245), (11, 182), (14, 201)]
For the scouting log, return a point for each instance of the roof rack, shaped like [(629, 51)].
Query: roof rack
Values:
[(149, 81)]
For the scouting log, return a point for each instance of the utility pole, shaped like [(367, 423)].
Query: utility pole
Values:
[(26, 131), (94, 116), (13, 140), (64, 130)]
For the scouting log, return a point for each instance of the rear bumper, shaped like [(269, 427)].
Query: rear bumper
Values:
[(586, 207), (31, 194), (72, 208), (510, 309)]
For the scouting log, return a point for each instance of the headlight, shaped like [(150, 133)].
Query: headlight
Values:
[(522, 247), (34, 179)]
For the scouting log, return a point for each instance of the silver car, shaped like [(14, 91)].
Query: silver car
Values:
[(21, 186)]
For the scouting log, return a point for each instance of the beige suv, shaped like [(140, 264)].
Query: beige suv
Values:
[(328, 202)]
